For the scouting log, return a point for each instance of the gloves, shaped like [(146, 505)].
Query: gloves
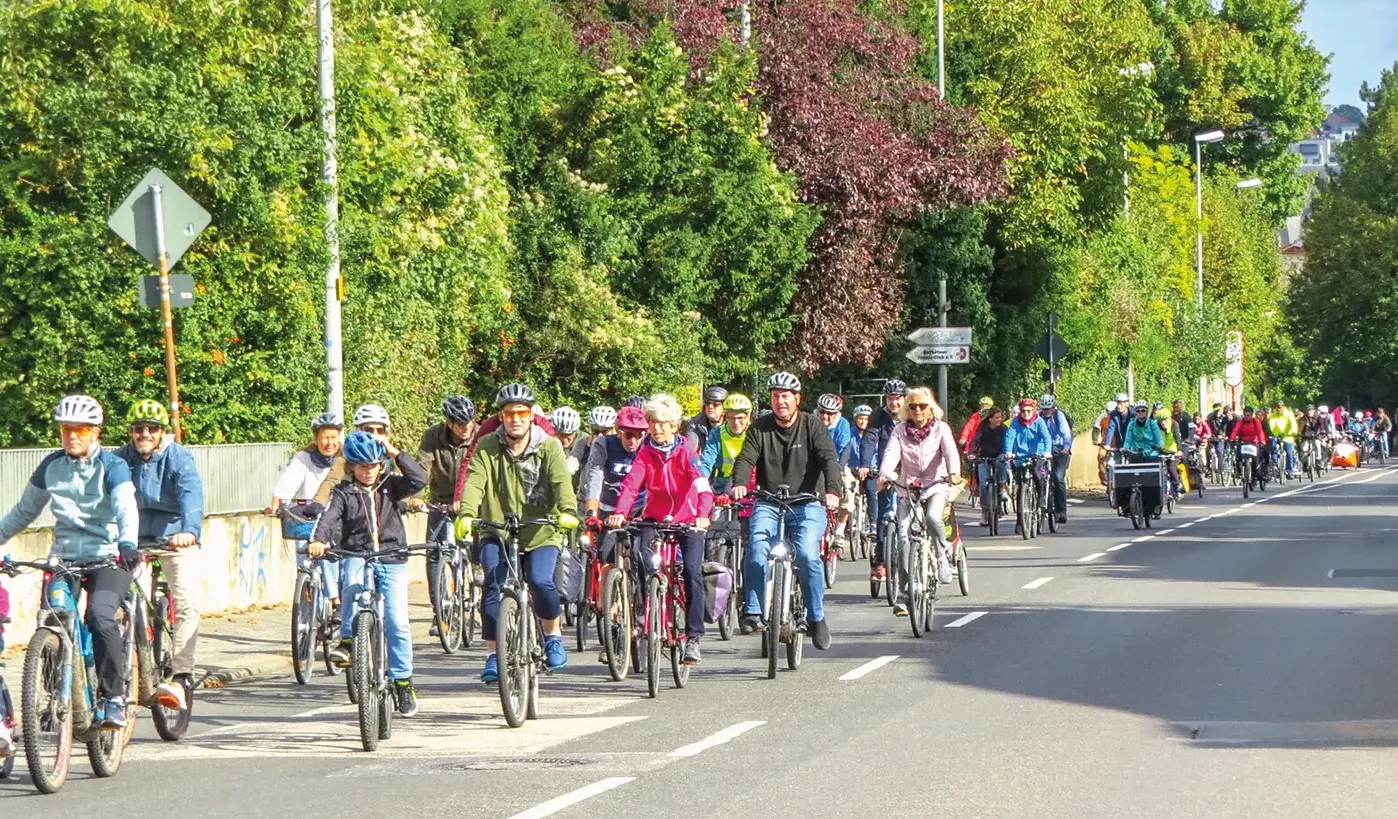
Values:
[(465, 525), (128, 556), (567, 522)]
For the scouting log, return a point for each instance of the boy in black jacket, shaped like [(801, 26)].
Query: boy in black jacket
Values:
[(363, 517)]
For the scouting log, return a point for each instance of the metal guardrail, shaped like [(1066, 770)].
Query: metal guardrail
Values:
[(237, 477)]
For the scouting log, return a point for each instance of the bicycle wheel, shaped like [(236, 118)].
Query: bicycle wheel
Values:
[(963, 578), (917, 582), (615, 621), (46, 720), (329, 635), (387, 694), (728, 618), (105, 751), (1170, 502), (583, 620), (831, 565), (1135, 507), (678, 669), (1247, 478), (1051, 515), (470, 606), (1036, 520), (303, 628), (776, 615), (446, 597), (363, 668), (892, 562), (654, 619), (797, 626), (170, 723), (512, 653), (1023, 511)]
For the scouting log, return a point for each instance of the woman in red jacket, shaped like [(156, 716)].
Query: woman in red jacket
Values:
[(667, 468)]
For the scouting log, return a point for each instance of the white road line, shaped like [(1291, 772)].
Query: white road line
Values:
[(1249, 503), (1091, 557), (1034, 584), (1118, 547), (973, 616), (1164, 532), (315, 712), (1143, 538), (726, 735), (1185, 525), (869, 667), (1075, 500), (1366, 480), (1225, 512), (1206, 517), (555, 805)]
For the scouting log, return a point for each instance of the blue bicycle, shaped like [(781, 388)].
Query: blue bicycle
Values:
[(59, 695)]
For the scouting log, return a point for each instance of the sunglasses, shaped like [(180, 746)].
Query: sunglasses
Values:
[(146, 429), (631, 435), (517, 414), (919, 406), (76, 429), (1141, 411), (374, 429)]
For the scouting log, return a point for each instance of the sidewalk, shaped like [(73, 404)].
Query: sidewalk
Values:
[(248, 645)]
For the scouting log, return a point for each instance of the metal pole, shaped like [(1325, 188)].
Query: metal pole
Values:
[(941, 55), (942, 322), (744, 22), (330, 175), (1199, 248), (167, 315)]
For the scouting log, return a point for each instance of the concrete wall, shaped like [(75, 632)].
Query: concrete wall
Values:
[(243, 563)]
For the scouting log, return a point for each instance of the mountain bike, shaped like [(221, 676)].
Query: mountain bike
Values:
[(456, 594), (729, 523), (519, 649), (992, 506), (59, 695), (1029, 504), (783, 607), (922, 564), (664, 614), (315, 620), (829, 551), (1310, 458), (155, 642)]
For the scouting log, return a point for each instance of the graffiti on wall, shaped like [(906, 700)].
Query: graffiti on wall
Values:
[(253, 558)]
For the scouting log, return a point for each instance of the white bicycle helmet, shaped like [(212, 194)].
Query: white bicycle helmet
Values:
[(783, 381), (78, 409), (371, 414), (602, 417), (565, 420)]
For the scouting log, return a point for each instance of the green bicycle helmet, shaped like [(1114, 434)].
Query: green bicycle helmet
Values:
[(148, 411)]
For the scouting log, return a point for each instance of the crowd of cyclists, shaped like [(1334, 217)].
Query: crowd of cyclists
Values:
[(641, 462)]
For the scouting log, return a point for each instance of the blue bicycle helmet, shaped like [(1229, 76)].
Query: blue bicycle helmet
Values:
[(363, 448)]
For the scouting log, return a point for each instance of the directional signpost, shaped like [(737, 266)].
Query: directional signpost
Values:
[(160, 221), (1052, 348), (941, 346)]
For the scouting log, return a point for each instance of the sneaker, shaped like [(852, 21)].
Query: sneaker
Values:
[(555, 654), (434, 631), (820, 634), (491, 673), (985, 518), (7, 741), (114, 714), (170, 694), (340, 654), (900, 608), (880, 573), (943, 569), (1062, 517), (691, 651), (603, 657), (749, 623), (407, 697)]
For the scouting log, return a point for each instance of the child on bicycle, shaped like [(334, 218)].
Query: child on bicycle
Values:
[(667, 470), (363, 517)]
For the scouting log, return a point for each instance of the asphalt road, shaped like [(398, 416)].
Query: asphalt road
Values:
[(1241, 661)]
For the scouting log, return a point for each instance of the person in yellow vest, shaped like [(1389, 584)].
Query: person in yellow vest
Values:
[(721, 449)]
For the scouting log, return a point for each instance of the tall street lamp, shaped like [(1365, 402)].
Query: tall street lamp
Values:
[(1199, 140)]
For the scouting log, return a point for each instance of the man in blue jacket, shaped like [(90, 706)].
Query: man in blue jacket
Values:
[(876, 435), (170, 498), (1061, 441)]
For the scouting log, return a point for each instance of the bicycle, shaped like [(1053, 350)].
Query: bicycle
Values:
[(1130, 484), (855, 535), (314, 617), (664, 615), (155, 640), (829, 551), (729, 522), (990, 501), (1029, 505), (892, 557), (1253, 470), (456, 592), (783, 607), (1310, 458), (922, 570), (518, 648), (59, 693), (607, 601)]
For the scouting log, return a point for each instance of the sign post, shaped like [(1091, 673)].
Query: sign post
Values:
[(941, 346), (160, 221)]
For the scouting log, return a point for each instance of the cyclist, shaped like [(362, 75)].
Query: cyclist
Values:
[(987, 451), (602, 420), (370, 418), (1143, 437), (667, 470), (968, 429), (1250, 430), (1100, 429), (1116, 426), (363, 517), (698, 428), (1202, 441), (607, 466), (872, 444), (302, 478), (1060, 427), (170, 499), (95, 516), (922, 449), (1312, 428), (443, 448), (721, 450), (1383, 426), (520, 470), (1282, 425), (1028, 436), (861, 420), (788, 448), (1169, 445), (566, 423), (842, 437)]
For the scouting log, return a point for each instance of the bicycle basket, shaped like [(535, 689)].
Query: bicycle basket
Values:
[(296, 526)]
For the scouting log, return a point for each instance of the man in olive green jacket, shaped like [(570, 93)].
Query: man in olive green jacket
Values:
[(519, 469)]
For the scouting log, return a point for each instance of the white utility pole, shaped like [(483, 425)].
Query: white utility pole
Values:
[(330, 175)]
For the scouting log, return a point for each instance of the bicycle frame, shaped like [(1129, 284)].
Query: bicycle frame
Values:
[(667, 564)]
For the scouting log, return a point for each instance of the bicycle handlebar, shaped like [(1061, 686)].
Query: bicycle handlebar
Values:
[(785, 500), (55, 564)]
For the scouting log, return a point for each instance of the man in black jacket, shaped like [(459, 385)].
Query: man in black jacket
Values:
[(697, 429), (792, 449), (881, 425)]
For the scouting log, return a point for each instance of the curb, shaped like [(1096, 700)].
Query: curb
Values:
[(261, 667)]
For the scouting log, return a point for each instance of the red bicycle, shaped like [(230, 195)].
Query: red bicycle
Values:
[(665, 604), (608, 603), (829, 548)]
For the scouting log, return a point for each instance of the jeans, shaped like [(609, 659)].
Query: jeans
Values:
[(1061, 460), (106, 589), (692, 554), (182, 575), (804, 526), (537, 566), (1290, 447), (880, 506), (392, 580)]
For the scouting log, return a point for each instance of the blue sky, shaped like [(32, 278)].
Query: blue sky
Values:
[(1363, 37)]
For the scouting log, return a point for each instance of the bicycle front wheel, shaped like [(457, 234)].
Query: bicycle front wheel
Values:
[(654, 618), (917, 582), (446, 602), (45, 716), (364, 661), (615, 625), (105, 752), (513, 655), (170, 723), (1023, 512), (303, 627), (776, 615)]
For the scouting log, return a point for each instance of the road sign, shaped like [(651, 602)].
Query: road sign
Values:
[(1052, 348), (941, 337), (183, 218), (1052, 376), (940, 355), (181, 291), (1233, 355)]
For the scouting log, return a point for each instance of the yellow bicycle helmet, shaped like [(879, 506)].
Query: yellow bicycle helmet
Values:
[(148, 411), (737, 402)]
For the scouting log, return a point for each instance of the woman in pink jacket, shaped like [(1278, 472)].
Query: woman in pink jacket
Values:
[(667, 468), (922, 448)]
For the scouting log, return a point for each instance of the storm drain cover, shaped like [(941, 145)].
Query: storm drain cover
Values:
[(508, 763)]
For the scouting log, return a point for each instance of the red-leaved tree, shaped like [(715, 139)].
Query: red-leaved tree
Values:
[(869, 139)]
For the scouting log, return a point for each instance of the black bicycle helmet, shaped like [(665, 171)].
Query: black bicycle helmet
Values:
[(327, 420), (830, 402), (514, 394), (715, 395), (458, 409), (636, 401), (894, 386)]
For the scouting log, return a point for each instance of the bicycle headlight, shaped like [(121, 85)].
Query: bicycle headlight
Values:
[(778, 552), (365, 598), (655, 561)]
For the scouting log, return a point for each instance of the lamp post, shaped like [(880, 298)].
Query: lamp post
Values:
[(1199, 140)]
